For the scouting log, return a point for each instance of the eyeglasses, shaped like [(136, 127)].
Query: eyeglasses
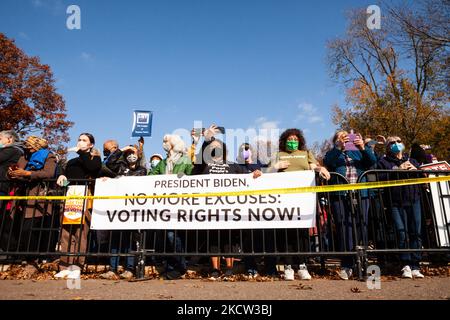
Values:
[(396, 141)]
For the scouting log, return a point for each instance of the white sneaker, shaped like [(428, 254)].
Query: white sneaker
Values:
[(407, 272), (345, 273), (289, 273), (63, 273), (417, 274), (75, 274), (303, 273)]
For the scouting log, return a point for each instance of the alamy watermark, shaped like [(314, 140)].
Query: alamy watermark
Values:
[(73, 21), (373, 277), (374, 19), (73, 279)]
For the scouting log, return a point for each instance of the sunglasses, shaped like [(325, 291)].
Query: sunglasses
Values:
[(396, 141)]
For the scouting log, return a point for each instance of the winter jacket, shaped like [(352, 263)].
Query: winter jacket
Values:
[(38, 208), (9, 156), (183, 166), (219, 168), (362, 160), (85, 166), (129, 172), (404, 195), (113, 164)]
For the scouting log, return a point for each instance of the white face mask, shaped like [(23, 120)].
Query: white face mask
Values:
[(167, 146), (83, 145), (132, 158), (154, 163)]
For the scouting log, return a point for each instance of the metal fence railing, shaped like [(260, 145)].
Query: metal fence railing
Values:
[(407, 220), (350, 225)]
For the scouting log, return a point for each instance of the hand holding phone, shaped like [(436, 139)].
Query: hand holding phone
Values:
[(350, 145), (198, 131), (221, 130)]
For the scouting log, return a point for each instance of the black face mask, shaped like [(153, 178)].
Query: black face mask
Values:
[(106, 153)]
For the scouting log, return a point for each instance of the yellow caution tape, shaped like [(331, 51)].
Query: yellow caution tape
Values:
[(314, 189)]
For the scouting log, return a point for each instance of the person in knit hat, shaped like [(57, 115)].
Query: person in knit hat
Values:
[(36, 165), (176, 162)]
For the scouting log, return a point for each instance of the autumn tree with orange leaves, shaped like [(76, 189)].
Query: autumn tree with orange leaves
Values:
[(397, 77), (29, 103)]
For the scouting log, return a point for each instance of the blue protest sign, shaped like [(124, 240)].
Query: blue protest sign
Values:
[(142, 123)]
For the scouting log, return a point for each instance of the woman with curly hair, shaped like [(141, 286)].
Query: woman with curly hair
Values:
[(294, 156)]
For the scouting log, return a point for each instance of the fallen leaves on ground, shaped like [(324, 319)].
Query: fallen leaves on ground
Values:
[(435, 271), (46, 271), (163, 296), (191, 274), (388, 278), (301, 286)]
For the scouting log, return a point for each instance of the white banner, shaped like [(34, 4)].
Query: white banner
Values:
[(212, 212)]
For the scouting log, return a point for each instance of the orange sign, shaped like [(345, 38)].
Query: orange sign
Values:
[(74, 208)]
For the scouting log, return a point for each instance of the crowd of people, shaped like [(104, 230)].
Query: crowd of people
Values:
[(32, 161)]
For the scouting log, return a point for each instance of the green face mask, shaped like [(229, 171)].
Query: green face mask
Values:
[(291, 145)]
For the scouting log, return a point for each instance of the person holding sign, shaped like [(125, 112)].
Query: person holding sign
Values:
[(349, 157), (212, 159), (177, 163), (74, 235), (122, 240), (247, 159), (293, 156)]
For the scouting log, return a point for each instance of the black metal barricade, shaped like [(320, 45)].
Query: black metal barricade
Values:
[(349, 225), (394, 214)]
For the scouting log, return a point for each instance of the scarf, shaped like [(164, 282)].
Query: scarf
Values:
[(37, 160), (172, 159)]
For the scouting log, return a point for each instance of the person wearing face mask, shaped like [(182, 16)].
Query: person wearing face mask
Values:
[(293, 156), (247, 159), (212, 159), (154, 160), (176, 162), (11, 149), (122, 240), (132, 165), (350, 164), (405, 204), (87, 165), (37, 164), (113, 159), (112, 163)]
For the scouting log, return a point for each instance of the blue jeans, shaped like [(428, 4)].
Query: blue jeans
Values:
[(408, 221), (124, 239), (178, 263), (115, 260), (342, 214)]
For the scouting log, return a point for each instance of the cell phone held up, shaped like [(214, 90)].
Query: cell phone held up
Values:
[(201, 131), (350, 145), (221, 130)]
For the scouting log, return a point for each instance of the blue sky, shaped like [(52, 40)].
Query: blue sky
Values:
[(238, 63)]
